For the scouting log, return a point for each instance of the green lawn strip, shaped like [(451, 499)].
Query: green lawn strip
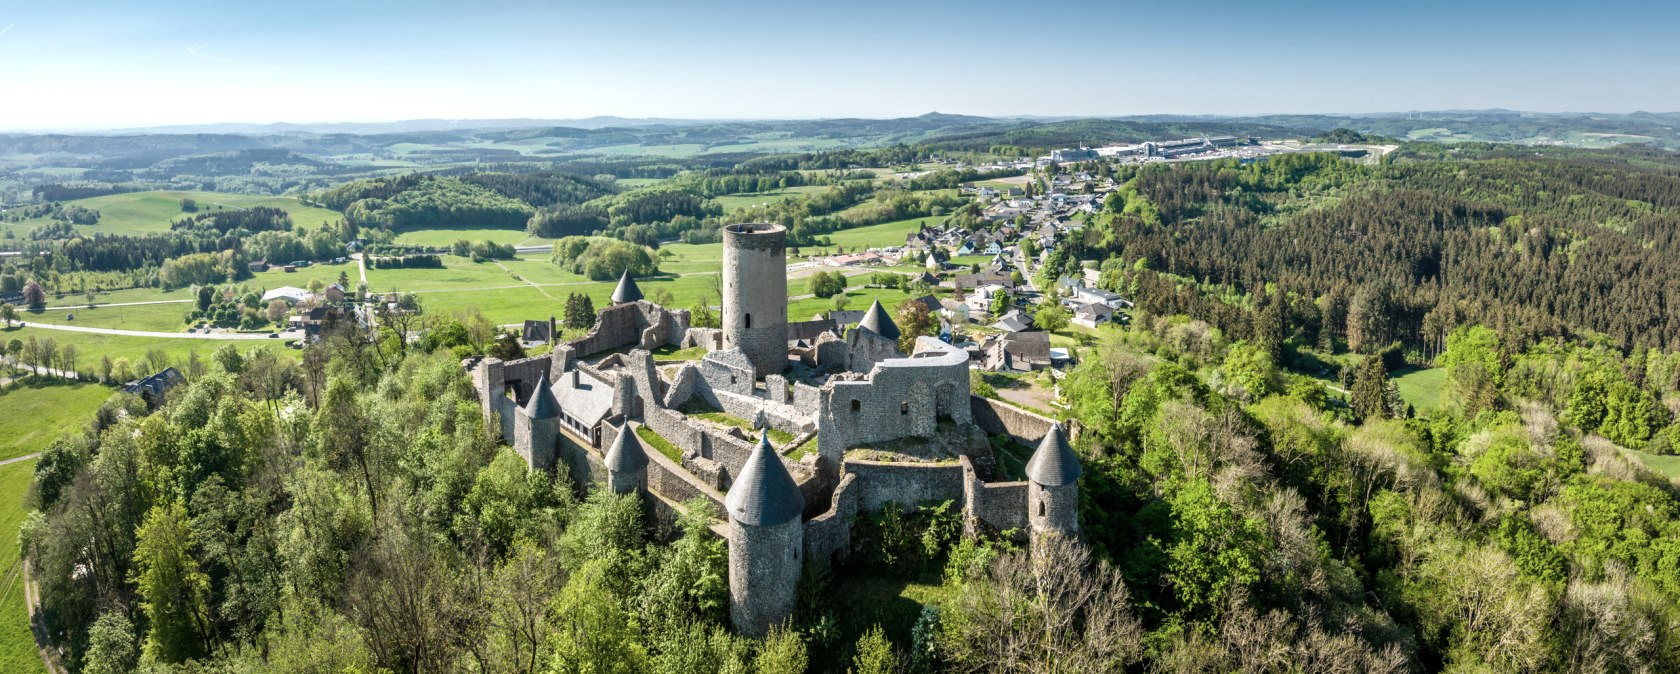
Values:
[(39, 409), (778, 437), (17, 642), (659, 443)]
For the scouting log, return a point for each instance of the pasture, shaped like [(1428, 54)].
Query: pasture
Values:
[(38, 410), (17, 642), (152, 211)]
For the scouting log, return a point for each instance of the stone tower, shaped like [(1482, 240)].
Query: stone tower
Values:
[(873, 340), (755, 294), (766, 541), (1053, 487), (536, 427), (626, 463)]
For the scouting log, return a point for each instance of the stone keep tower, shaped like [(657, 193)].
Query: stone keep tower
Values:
[(766, 538), (755, 294), (1053, 487)]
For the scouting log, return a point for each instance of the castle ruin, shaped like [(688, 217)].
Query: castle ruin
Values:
[(861, 424)]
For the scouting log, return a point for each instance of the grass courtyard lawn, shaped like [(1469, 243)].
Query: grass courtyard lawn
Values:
[(735, 202), (778, 437), (38, 410), (94, 345), (17, 642), (659, 443), (446, 236), (137, 212), (1421, 388), (882, 235)]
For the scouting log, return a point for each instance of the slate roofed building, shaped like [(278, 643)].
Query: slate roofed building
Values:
[(1014, 321), (153, 388), (533, 333)]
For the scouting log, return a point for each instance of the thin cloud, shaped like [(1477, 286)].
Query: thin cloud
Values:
[(8, 27), (197, 51)]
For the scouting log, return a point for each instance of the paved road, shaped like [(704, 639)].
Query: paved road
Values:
[(165, 335)]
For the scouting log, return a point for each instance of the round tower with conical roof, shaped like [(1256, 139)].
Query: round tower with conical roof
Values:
[(626, 463), (873, 340), (536, 427), (627, 290), (755, 294), (766, 542), (1053, 486)]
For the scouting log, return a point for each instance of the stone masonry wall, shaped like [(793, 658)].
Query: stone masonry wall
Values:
[(994, 506), (905, 483), (999, 418), (828, 537)]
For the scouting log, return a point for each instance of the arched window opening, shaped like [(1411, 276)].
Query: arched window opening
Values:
[(904, 407), (748, 318)]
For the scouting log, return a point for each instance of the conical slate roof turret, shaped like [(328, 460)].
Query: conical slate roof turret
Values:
[(626, 291), (542, 404), (764, 494), (1054, 464), (877, 321), (626, 454)]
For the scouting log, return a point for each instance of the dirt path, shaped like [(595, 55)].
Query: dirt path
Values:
[(527, 281), (145, 333)]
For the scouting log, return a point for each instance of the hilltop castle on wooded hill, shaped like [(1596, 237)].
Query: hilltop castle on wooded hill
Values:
[(869, 425)]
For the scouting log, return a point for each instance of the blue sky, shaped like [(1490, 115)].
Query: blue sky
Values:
[(97, 64)]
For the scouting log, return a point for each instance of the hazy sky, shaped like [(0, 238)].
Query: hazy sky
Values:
[(100, 64)]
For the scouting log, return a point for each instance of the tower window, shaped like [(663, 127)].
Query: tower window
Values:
[(1041, 508), (904, 408), (748, 318), (856, 405)]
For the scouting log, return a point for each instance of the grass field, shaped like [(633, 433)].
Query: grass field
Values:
[(17, 643), (446, 236), (1421, 388), (38, 410), (1667, 464), (735, 202), (882, 235), (93, 345), (139, 212)]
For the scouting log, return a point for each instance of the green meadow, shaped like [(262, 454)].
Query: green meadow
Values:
[(141, 212), (17, 643), (38, 410)]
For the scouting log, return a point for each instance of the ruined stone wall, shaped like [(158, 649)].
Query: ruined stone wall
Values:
[(991, 507), (828, 536), (782, 417), (526, 372), (682, 388), (583, 463), (905, 483), (902, 397), (729, 370), (864, 349), (641, 324), (999, 418)]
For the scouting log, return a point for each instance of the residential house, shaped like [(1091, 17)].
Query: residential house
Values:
[(1014, 321), (1018, 352), (153, 388)]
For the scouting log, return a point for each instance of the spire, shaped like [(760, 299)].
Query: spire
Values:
[(1054, 464), (626, 454), (764, 494), (877, 321), (627, 291), (542, 404)]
